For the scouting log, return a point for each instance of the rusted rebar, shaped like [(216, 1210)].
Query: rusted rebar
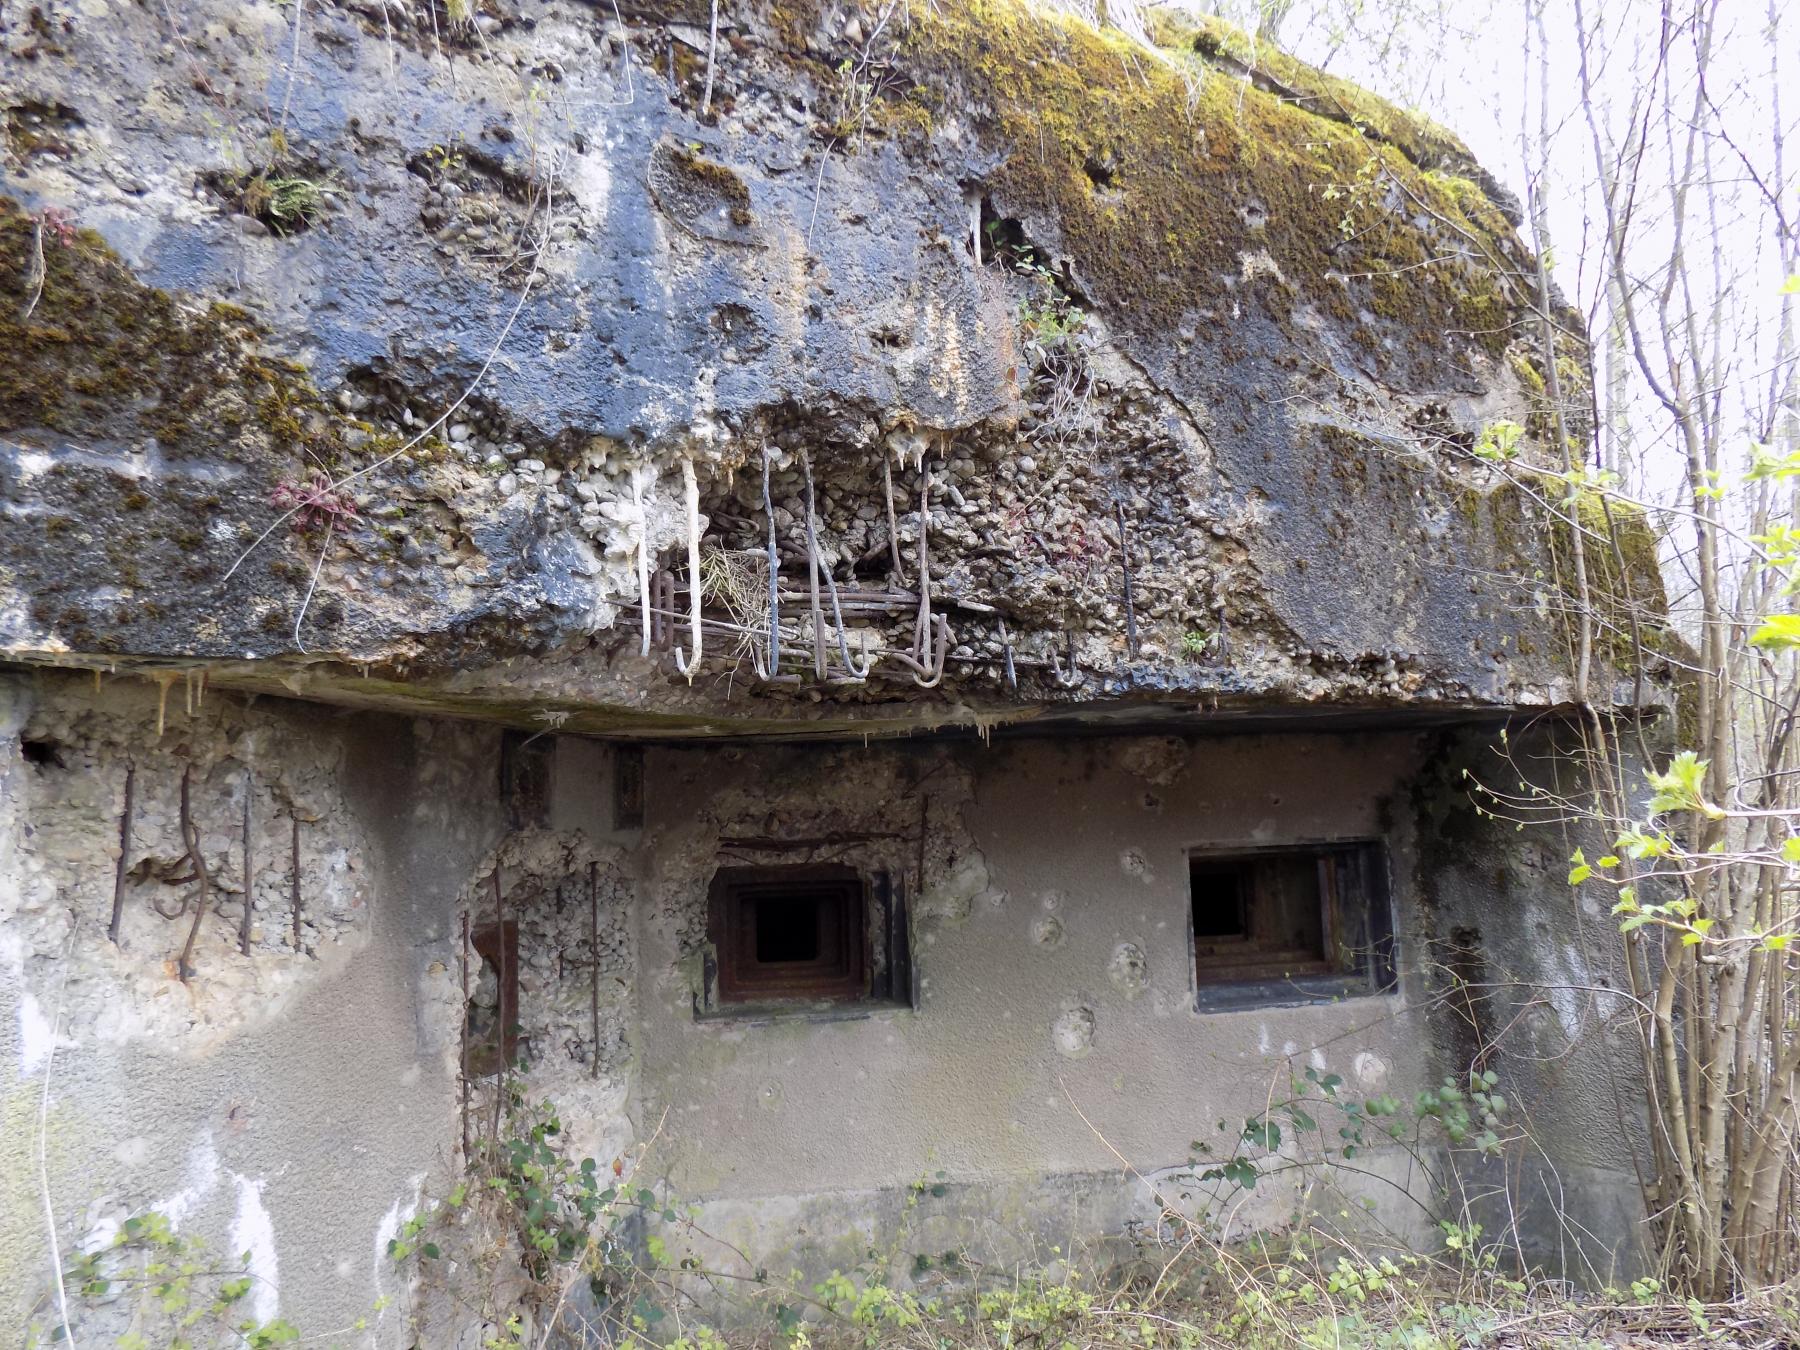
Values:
[(249, 868), (118, 906), (643, 558), (594, 963), (851, 670), (688, 663), (774, 658), (1131, 637), (812, 574), (887, 486), (662, 623), (1070, 678), (190, 834), (294, 881), (922, 625), (931, 638), (463, 1067)]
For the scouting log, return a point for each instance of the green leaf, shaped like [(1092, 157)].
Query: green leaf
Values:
[(1580, 872), (1678, 787), (1499, 441), (1263, 1134), (1789, 287), (1777, 633), (1790, 849)]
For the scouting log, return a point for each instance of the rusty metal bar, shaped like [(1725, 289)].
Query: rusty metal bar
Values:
[(249, 868), (887, 486), (851, 672), (294, 880), (774, 658), (1131, 637), (190, 834), (662, 602), (463, 1067), (812, 574), (118, 906), (594, 963)]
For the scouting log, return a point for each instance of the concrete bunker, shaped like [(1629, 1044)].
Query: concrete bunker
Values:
[(782, 982), (860, 729)]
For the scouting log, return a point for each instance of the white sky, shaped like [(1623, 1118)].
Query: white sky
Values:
[(1473, 65)]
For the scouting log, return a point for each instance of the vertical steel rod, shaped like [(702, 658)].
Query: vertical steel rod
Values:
[(118, 908), (249, 868)]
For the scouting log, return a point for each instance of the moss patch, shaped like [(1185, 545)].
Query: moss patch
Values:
[(1421, 140), (102, 357), (1204, 170)]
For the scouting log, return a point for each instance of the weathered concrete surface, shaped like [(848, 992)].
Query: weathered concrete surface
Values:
[(311, 1098), (1092, 288), (804, 1137), (1228, 327), (292, 1104)]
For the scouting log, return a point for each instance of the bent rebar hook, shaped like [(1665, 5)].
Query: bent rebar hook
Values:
[(690, 666), (774, 660), (643, 559), (927, 665), (1073, 676), (929, 669), (837, 609)]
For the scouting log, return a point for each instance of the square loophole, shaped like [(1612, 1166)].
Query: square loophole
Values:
[(790, 934), (1273, 925)]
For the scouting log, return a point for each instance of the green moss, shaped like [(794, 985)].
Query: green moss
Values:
[(719, 178), (1423, 141), (105, 356), (1192, 184), (1624, 578)]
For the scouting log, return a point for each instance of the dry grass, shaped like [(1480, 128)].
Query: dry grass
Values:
[(1379, 1304)]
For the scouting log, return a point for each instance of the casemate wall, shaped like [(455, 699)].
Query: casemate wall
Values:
[(1048, 1016)]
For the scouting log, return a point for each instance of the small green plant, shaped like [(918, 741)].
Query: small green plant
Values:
[(1499, 442), (1471, 1116), (286, 205), (179, 1297), (1047, 317)]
